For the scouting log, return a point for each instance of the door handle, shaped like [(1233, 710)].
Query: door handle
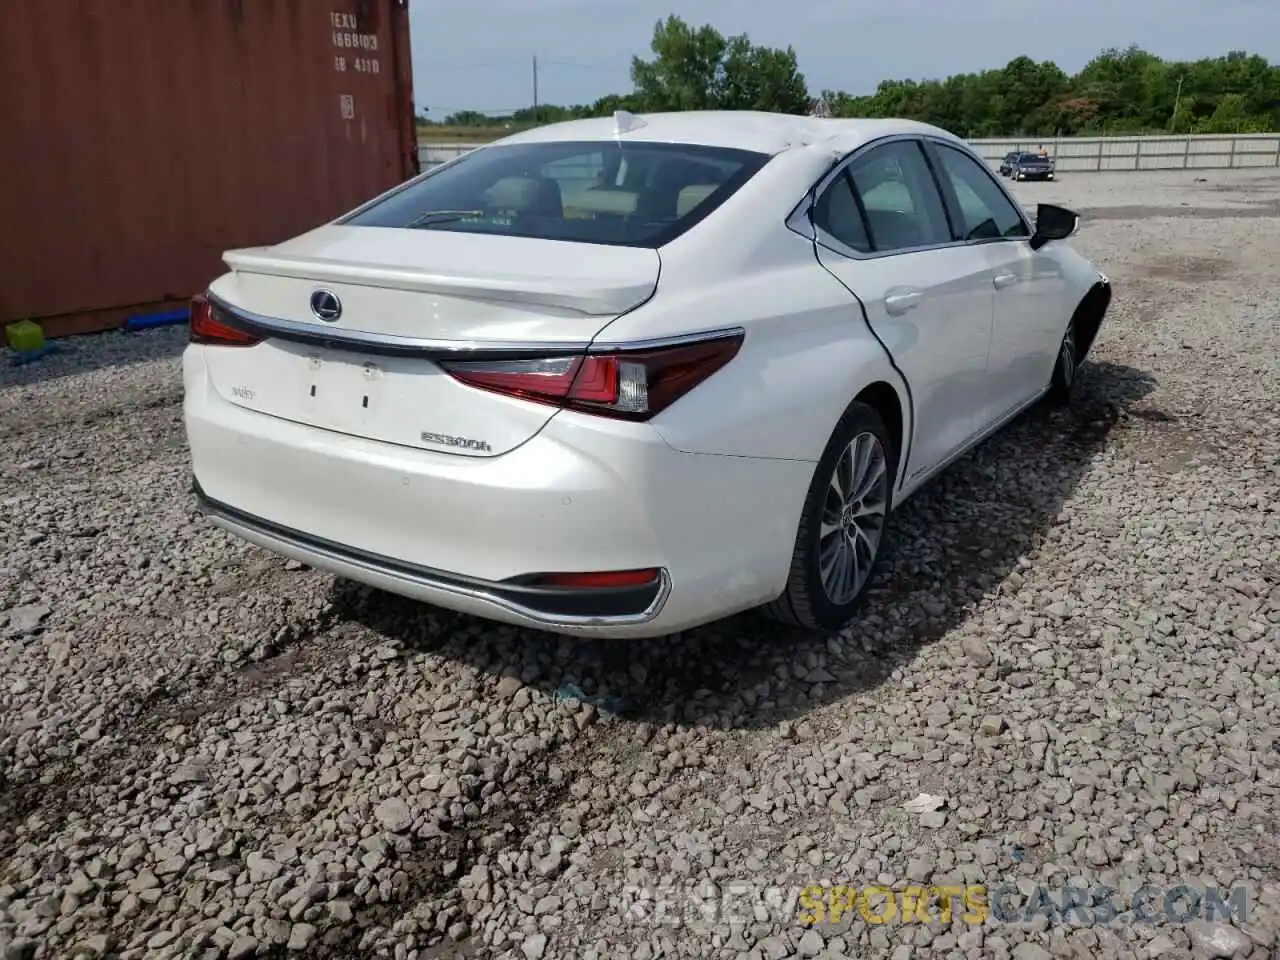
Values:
[(901, 301), (1002, 280)]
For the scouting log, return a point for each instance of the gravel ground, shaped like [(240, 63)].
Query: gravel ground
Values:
[(206, 751)]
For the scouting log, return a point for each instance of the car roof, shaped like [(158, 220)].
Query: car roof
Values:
[(762, 132)]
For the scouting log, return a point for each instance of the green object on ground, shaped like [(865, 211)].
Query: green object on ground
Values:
[(25, 335)]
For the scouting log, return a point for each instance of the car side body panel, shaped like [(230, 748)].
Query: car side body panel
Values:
[(1027, 323), (807, 352), (940, 345), (972, 358)]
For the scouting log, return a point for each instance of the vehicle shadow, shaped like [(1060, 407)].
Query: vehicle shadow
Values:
[(72, 356), (952, 544)]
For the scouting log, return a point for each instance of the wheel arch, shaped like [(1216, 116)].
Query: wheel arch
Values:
[(1088, 316), (884, 398)]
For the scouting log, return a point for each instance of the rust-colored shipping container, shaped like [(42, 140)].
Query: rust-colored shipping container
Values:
[(139, 139)]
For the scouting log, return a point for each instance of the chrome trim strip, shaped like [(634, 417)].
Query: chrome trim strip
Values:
[(268, 535), (427, 348), (386, 344), (657, 343), (800, 219)]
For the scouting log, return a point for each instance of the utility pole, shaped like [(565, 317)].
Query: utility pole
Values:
[(1177, 101), (535, 91)]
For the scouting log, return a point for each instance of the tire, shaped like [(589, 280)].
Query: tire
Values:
[(855, 527), (1065, 367)]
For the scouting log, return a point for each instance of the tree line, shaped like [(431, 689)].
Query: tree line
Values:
[(1118, 92)]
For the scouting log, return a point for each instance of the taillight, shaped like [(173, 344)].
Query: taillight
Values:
[(205, 327), (628, 384)]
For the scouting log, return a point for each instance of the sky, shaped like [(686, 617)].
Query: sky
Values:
[(471, 55)]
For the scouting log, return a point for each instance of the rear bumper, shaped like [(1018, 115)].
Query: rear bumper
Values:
[(549, 606), (583, 495)]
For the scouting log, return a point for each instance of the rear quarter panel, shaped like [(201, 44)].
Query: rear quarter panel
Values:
[(807, 353)]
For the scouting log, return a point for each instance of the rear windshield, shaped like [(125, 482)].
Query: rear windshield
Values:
[(1032, 157), (624, 194)]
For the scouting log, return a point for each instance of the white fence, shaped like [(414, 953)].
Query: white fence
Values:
[(1205, 152), (433, 154), (1083, 154)]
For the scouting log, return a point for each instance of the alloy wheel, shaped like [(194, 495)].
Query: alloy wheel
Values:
[(853, 518)]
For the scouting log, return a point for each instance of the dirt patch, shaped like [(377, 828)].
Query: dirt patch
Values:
[(1187, 269), (1168, 443)]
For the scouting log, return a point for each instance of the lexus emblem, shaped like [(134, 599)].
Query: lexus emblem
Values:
[(326, 305)]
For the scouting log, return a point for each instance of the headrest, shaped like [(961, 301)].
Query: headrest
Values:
[(620, 203), (693, 195), (513, 193)]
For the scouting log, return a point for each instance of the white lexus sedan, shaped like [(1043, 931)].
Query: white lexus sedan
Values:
[(620, 377)]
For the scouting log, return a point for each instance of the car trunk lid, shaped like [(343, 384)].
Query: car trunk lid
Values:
[(394, 304)]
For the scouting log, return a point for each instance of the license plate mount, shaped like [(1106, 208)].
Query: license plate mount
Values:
[(340, 392)]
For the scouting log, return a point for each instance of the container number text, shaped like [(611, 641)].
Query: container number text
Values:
[(347, 36), (358, 64)]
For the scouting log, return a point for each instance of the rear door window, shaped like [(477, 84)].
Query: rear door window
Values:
[(629, 194), (899, 197), (837, 213)]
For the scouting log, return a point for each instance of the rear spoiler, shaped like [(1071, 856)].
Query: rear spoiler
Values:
[(595, 296)]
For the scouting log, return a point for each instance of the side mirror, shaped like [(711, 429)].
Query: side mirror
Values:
[(1053, 223)]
